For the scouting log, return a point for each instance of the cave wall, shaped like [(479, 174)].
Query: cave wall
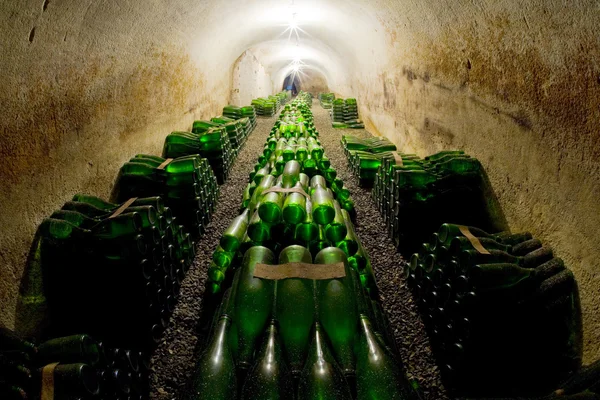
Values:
[(250, 80), (518, 86)]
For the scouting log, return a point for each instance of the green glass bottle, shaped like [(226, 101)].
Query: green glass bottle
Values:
[(295, 309), (288, 153), (304, 181), (337, 309), (96, 202), (336, 230), (234, 234), (265, 184), (261, 173), (222, 258), (309, 166), (75, 380), (378, 375), (323, 211), (69, 349), (291, 174), (500, 276), (321, 242), (349, 244), (307, 230), (215, 375), (253, 303), (324, 163), (258, 230), (271, 205), (317, 180), (449, 231), (321, 377), (294, 207), (316, 151), (269, 378)]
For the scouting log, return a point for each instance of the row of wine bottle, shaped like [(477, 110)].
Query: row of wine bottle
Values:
[(294, 337), (282, 205), (326, 100), (269, 106), (415, 196), (240, 113), (344, 114), (480, 295), (305, 332), (365, 156), (71, 367)]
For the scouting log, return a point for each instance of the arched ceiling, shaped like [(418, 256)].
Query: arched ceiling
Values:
[(330, 37)]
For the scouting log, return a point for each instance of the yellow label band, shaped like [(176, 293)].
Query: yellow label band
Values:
[(123, 207), (474, 241), (47, 392), (300, 270)]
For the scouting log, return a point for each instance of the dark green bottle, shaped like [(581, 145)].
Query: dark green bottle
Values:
[(253, 303), (269, 378), (294, 207), (378, 375), (291, 174), (69, 349), (258, 230), (321, 377), (336, 230), (500, 276), (271, 204), (307, 230), (234, 234), (323, 211), (337, 309), (295, 309), (215, 375), (75, 381), (349, 244)]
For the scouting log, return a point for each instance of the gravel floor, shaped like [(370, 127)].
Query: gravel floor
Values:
[(173, 360)]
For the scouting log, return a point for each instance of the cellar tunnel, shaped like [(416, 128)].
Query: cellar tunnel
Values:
[(86, 85)]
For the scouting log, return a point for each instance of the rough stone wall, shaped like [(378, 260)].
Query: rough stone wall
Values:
[(250, 80), (518, 86)]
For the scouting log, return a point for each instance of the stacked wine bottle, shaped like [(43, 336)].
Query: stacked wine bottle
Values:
[(113, 270), (269, 106), (345, 114), (415, 196), (70, 367), (292, 157), (207, 140), (297, 329), (497, 307), (365, 156), (187, 185), (326, 100), (245, 115), (305, 97)]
